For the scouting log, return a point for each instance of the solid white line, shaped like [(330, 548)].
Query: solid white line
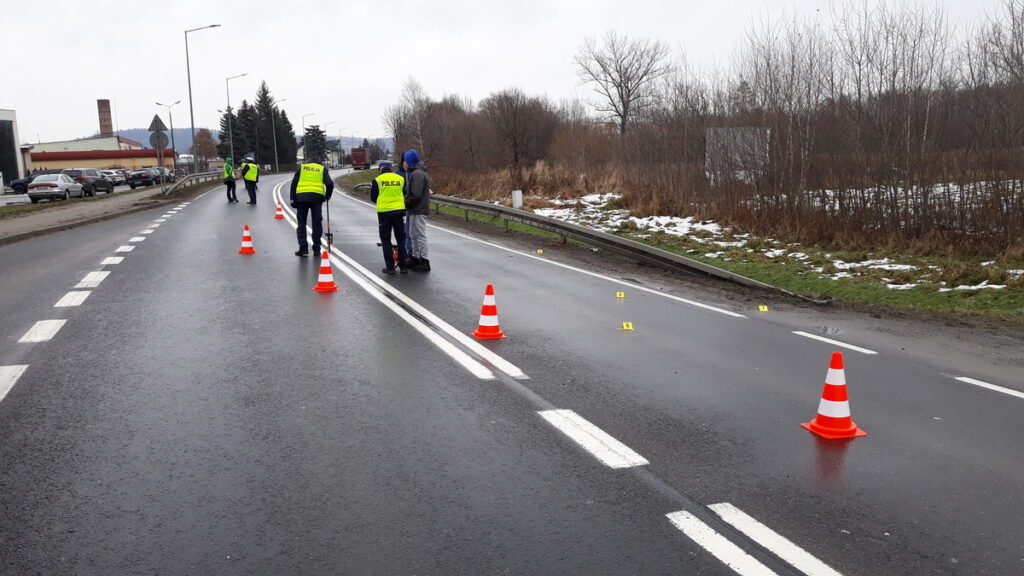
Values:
[(834, 342), (125, 249), (995, 387), (732, 555), (599, 443), (112, 260), (8, 376), (773, 541), (42, 331), (93, 279), (465, 360), (72, 298), (579, 270)]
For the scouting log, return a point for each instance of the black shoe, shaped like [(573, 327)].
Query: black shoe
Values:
[(301, 253), (316, 253), (412, 262), (250, 202), (423, 266), (388, 271)]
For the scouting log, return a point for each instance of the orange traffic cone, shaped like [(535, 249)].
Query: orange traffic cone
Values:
[(833, 419), (279, 215), (488, 328), (246, 242), (326, 281)]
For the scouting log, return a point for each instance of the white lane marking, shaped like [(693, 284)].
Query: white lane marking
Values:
[(125, 249), (730, 554), (137, 239), (73, 298), (154, 225), (42, 331), (773, 541), (995, 387), (93, 279), (160, 220), (599, 443), (9, 376), (363, 279), (579, 270), (147, 231), (834, 342), (112, 260)]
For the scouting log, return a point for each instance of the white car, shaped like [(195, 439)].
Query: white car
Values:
[(114, 176), (54, 187)]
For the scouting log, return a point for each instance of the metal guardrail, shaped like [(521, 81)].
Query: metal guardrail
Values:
[(193, 179)]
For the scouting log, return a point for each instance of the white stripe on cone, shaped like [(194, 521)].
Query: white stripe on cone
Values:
[(834, 409), (835, 377), (488, 320), (489, 300)]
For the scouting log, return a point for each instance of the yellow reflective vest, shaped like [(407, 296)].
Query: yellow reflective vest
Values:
[(311, 180), (253, 174), (389, 192), (229, 172)]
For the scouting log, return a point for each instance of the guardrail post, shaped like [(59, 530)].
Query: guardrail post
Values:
[(507, 228)]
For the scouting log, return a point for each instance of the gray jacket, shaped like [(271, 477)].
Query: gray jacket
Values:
[(417, 191)]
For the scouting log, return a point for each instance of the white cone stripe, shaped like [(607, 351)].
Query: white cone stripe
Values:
[(834, 409), (326, 278), (835, 377), (720, 547), (489, 300), (488, 320)]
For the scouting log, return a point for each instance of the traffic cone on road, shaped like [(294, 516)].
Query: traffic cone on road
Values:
[(246, 242), (279, 215), (833, 419), (326, 281), (488, 328)]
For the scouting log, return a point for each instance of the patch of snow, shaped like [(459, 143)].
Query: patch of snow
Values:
[(981, 286), (774, 253), (900, 286), (799, 256)]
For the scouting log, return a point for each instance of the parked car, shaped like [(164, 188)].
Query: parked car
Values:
[(21, 186), (165, 174), (54, 187), (144, 177), (91, 179), (114, 176)]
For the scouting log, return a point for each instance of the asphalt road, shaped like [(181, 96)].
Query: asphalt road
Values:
[(205, 412)]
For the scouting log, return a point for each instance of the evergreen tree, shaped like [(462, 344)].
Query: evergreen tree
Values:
[(316, 145), (287, 148), (365, 144)]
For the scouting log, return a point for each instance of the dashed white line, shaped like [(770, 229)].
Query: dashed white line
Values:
[(93, 279), (125, 249), (599, 443), (834, 342), (730, 554), (994, 387), (154, 225), (112, 260), (147, 231), (773, 541), (136, 238), (42, 331), (73, 298), (160, 220), (9, 376)]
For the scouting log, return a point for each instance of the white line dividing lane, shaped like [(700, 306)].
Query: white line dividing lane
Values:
[(773, 541), (730, 554), (93, 279), (834, 342), (597, 442), (364, 278), (137, 239), (42, 331), (147, 231), (128, 248), (995, 387), (9, 376), (112, 260), (73, 298), (579, 270)]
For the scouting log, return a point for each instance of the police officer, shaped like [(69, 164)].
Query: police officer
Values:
[(229, 180), (386, 192), (311, 187), (250, 175)]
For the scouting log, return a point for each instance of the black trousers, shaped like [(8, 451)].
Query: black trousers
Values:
[(250, 187), (388, 222), (231, 190), (303, 209)]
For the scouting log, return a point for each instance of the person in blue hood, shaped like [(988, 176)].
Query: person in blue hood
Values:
[(417, 206)]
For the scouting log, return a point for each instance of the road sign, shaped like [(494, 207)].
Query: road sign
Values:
[(158, 140), (157, 125)]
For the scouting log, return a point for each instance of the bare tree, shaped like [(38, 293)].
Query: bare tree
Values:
[(625, 71)]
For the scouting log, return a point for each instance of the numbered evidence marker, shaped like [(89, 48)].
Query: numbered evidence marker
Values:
[(540, 251), (762, 308), (627, 326), (620, 295)]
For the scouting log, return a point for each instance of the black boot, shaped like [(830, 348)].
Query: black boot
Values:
[(412, 262), (423, 265)]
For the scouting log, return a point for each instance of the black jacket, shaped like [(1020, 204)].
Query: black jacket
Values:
[(311, 196)]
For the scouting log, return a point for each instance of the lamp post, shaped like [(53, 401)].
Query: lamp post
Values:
[(305, 142), (174, 159), (231, 136), (277, 159), (188, 70), (341, 149)]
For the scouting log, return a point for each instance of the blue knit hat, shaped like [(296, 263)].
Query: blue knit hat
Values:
[(412, 158)]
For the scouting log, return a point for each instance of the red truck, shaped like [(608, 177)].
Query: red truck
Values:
[(360, 159)]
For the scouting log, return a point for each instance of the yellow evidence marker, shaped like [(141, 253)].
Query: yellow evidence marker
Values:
[(620, 295), (540, 251), (762, 308), (627, 326)]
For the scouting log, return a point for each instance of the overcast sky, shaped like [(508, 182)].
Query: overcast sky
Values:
[(341, 61)]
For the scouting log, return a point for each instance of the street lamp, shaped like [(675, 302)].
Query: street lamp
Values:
[(174, 159), (341, 149), (231, 136), (188, 69), (305, 142), (277, 160)]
